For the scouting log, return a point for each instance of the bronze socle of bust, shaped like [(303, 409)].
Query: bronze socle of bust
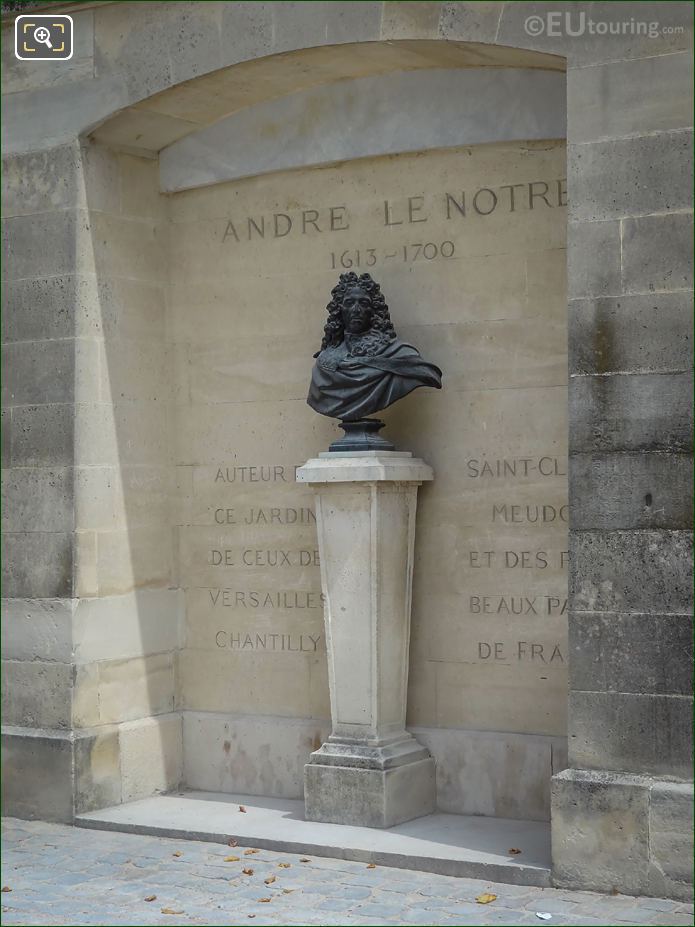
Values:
[(363, 366)]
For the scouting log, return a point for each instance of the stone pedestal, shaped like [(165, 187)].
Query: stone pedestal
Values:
[(371, 771)]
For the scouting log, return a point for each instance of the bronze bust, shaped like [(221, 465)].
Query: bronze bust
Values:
[(363, 366)]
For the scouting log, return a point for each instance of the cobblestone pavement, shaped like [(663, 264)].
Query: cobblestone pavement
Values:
[(52, 874)]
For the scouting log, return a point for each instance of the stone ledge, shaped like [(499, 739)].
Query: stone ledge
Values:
[(448, 844)]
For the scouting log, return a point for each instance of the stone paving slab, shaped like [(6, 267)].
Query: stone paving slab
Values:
[(447, 844), (59, 875)]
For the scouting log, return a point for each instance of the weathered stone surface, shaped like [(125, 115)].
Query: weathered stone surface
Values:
[(489, 773), (39, 372), (37, 629), (37, 775), (129, 371), (410, 20), (128, 432), (66, 177), (210, 681), (37, 564), (220, 752), (36, 694), (97, 770), (143, 622), (6, 437), (369, 797), (41, 308), (635, 490), (631, 653), (294, 26), (657, 253), (194, 40), (43, 244), (139, 48), (246, 31), (600, 831), (43, 435), (470, 22), (671, 840), (621, 571), (631, 412), (151, 756), (37, 498), (609, 101), (631, 334), (113, 691), (40, 181), (630, 176), (134, 558), (646, 734), (593, 259), (126, 248)]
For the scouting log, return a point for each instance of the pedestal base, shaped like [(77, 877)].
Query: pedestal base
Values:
[(369, 797)]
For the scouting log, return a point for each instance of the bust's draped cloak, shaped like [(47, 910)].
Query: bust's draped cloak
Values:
[(353, 387)]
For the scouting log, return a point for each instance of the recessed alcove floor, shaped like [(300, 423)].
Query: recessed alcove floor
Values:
[(447, 844)]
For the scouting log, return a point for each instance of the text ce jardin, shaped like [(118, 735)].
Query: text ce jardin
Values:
[(409, 210)]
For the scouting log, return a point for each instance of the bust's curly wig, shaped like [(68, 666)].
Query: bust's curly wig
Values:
[(334, 329)]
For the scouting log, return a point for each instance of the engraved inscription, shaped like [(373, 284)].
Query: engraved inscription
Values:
[(264, 558), (265, 516), (481, 467), (276, 643), (231, 598), (408, 210), (517, 605), (520, 651)]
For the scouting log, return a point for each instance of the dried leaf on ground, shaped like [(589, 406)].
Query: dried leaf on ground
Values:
[(250, 852), (241, 808), (304, 860), (247, 871), (270, 880), (287, 891), (171, 911), (371, 865), (6, 888), (485, 898), (513, 851), (150, 897), (232, 842), (284, 865), (264, 900), (177, 853), (250, 915), (232, 859)]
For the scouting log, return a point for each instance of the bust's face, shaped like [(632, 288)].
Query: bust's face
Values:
[(357, 311)]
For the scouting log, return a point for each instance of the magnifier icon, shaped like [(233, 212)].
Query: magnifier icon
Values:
[(41, 34)]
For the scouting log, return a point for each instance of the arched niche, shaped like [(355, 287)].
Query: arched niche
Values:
[(243, 193)]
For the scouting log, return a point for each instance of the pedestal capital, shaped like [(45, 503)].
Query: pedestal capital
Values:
[(365, 467)]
